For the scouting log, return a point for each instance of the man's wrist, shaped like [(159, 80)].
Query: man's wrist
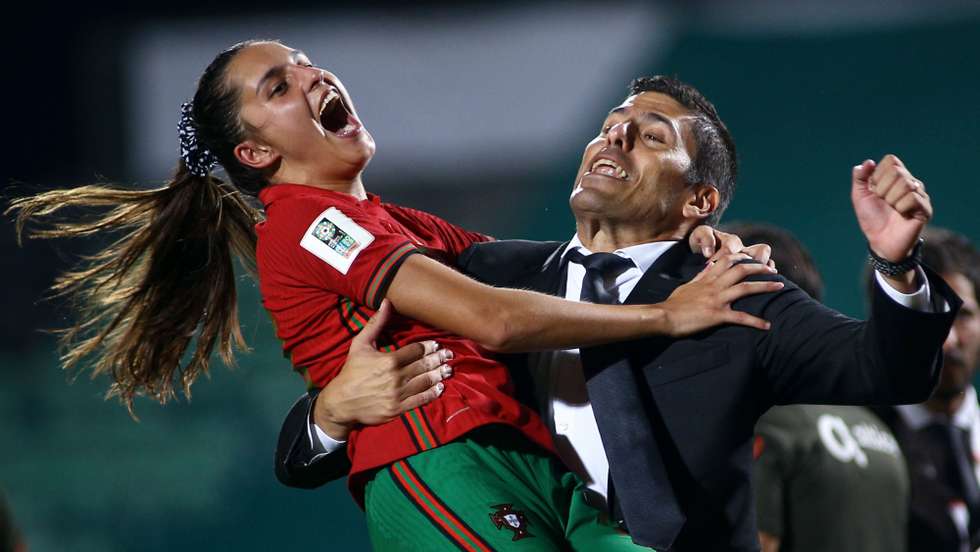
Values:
[(900, 269), (326, 417), (906, 282)]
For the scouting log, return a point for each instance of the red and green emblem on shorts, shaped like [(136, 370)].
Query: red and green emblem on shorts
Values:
[(506, 517)]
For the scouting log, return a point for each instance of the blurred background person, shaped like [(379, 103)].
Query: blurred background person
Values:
[(826, 477), (940, 438)]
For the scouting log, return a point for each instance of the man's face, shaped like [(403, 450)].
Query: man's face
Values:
[(634, 169), (961, 350), (301, 112)]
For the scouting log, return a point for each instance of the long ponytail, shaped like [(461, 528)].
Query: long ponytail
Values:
[(168, 278)]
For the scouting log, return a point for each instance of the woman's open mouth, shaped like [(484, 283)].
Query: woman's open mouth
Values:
[(336, 118)]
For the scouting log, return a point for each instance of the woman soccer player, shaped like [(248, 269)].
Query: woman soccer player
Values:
[(328, 253)]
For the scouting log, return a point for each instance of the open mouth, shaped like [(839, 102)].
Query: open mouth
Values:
[(608, 167), (335, 117)]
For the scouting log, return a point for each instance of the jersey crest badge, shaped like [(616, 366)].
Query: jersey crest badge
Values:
[(506, 517), (336, 239)]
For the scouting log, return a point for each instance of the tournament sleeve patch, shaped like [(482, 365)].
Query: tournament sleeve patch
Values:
[(336, 239)]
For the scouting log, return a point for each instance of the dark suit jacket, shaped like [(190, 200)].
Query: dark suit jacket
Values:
[(699, 397)]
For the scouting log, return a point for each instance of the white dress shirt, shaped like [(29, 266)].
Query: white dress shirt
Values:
[(560, 381)]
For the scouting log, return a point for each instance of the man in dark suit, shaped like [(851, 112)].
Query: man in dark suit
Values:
[(673, 418)]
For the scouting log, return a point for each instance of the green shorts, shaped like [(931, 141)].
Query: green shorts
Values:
[(491, 490)]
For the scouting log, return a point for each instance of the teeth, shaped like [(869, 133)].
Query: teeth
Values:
[(620, 173), (333, 95)]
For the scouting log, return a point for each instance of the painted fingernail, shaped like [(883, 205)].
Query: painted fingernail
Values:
[(431, 346), (446, 354), (439, 388), (446, 370)]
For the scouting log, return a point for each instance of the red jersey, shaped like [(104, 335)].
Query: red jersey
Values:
[(325, 260)]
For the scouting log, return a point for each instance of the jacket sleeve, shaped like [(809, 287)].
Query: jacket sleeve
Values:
[(505, 263), (296, 463), (814, 355)]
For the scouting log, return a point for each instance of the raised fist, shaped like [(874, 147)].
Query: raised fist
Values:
[(891, 205)]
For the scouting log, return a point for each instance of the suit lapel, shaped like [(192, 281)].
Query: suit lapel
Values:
[(676, 266)]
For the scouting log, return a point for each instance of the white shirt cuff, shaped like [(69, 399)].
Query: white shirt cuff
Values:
[(328, 443), (920, 299), (320, 442)]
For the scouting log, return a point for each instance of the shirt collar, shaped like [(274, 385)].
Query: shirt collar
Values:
[(968, 411), (642, 255), (275, 192), (917, 416)]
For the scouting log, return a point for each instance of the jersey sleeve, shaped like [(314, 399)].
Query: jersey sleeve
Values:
[(454, 238), (346, 251), (776, 449)]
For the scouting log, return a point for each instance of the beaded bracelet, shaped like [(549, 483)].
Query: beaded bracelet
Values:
[(888, 268)]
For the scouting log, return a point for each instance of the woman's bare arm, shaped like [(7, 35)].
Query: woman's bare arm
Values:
[(509, 320)]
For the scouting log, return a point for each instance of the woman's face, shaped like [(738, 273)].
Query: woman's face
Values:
[(299, 118)]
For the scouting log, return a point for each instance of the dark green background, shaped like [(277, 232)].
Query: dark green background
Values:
[(80, 475)]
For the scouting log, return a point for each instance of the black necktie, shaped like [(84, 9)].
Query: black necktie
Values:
[(653, 502), (964, 467), (599, 267)]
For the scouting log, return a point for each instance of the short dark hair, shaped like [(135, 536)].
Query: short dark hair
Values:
[(792, 258), (946, 251), (714, 162)]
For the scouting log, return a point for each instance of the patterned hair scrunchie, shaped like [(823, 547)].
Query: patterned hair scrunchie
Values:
[(198, 159)]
